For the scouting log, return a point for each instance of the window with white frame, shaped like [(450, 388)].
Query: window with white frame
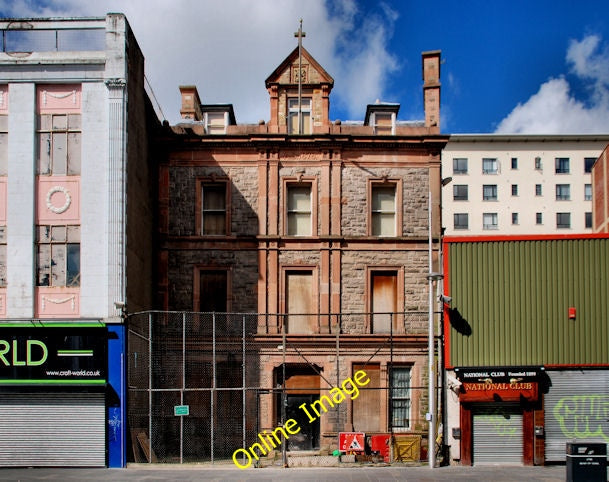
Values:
[(588, 192), (400, 380), (489, 192), (489, 166), (215, 122), (299, 119), (383, 123), (490, 221), (563, 192), (563, 220), (383, 209), (299, 214)]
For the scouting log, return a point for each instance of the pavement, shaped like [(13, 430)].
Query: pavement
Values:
[(385, 473)]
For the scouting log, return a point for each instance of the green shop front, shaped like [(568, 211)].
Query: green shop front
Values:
[(54, 394)]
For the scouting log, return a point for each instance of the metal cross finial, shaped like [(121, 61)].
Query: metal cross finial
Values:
[(300, 34)]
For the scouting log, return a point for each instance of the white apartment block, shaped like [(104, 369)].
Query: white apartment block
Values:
[(518, 184)]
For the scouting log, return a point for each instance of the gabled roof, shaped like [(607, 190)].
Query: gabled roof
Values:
[(293, 57)]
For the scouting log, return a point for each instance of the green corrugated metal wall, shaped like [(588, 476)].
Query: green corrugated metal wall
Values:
[(515, 296)]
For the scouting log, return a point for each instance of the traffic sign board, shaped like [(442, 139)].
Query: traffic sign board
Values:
[(351, 441)]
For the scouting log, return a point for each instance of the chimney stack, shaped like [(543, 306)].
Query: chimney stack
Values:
[(191, 104), (431, 89)]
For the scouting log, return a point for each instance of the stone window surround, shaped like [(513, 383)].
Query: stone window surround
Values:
[(286, 182), (200, 182), (397, 182)]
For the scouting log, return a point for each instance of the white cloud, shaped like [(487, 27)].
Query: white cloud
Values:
[(555, 110), (227, 49)]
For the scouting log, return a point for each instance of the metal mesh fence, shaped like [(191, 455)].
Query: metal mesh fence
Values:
[(202, 385)]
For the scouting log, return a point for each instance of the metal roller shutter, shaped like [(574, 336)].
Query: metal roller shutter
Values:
[(497, 436), (52, 429), (575, 408)]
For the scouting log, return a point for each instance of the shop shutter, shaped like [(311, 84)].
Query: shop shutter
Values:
[(576, 409), (52, 429), (497, 436)]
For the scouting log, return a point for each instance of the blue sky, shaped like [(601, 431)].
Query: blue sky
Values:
[(535, 66)]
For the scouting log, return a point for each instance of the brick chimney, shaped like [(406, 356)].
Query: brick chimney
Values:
[(431, 88), (191, 104)]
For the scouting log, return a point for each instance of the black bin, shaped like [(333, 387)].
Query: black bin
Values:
[(586, 462)]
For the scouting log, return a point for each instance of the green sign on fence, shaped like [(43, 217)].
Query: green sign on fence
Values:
[(181, 410)]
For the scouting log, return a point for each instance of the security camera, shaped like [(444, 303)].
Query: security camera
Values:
[(445, 299), (119, 305)]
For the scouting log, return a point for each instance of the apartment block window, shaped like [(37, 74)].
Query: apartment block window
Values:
[(563, 192), (514, 163), (562, 165), (489, 166), (58, 256), (588, 192), (461, 221), (459, 165), (514, 189), (538, 218), (400, 397), (214, 208), (490, 221), (588, 220), (59, 144), (304, 126), (299, 210), (3, 256), (588, 163), (514, 218), (383, 123), (460, 192), (563, 220), (538, 165), (383, 212), (489, 192), (537, 189)]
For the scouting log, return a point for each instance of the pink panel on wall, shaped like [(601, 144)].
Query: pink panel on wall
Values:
[(2, 302), (58, 200), (3, 99), (2, 200), (57, 302), (58, 99)]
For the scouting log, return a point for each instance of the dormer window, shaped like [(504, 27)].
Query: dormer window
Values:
[(304, 126), (383, 123), (215, 122), (382, 118)]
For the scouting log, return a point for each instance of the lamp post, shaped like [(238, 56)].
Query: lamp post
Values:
[(431, 277)]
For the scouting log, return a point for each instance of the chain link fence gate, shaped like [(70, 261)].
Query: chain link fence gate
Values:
[(202, 385)]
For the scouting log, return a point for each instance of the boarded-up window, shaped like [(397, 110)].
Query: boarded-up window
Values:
[(400, 397), (300, 305), (59, 150), (384, 300), (213, 291), (367, 406), (215, 122), (299, 210), (383, 210), (58, 256), (213, 211)]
